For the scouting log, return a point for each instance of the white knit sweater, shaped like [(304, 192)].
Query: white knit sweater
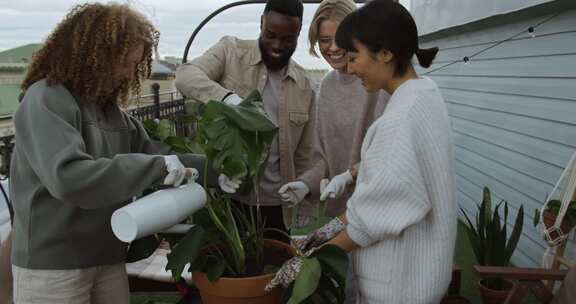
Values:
[(403, 211)]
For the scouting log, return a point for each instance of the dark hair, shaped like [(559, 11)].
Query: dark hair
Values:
[(385, 24), (285, 7)]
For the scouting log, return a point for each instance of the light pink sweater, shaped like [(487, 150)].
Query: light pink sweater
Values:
[(345, 111)]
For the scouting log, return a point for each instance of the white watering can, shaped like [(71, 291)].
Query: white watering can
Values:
[(160, 211)]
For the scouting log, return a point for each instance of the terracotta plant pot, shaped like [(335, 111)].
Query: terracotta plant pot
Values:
[(492, 296), (249, 290), (549, 219)]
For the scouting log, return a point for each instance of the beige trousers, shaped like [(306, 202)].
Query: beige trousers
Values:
[(95, 285)]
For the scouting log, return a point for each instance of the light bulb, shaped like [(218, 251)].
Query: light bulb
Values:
[(532, 32)]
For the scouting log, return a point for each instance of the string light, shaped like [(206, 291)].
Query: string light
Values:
[(467, 59), (532, 32)]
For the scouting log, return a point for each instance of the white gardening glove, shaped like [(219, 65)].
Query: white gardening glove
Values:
[(293, 192), (337, 185), (319, 236), (232, 99), (228, 185), (176, 171)]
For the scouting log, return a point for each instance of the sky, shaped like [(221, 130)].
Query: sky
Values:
[(30, 21)]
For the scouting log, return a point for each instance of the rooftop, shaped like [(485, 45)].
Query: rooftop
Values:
[(22, 54)]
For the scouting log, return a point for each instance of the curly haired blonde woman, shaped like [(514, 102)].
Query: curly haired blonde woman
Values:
[(78, 157)]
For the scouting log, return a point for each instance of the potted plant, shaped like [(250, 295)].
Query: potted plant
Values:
[(491, 244), (550, 214), (230, 260)]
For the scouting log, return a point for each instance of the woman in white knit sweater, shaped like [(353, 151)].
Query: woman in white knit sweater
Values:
[(400, 223)]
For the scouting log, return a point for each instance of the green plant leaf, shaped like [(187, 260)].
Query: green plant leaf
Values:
[(214, 269), (179, 144), (473, 238), (306, 280), (287, 293), (249, 115), (237, 138), (151, 128), (536, 219), (142, 248), (164, 129), (199, 263), (329, 291), (235, 167), (499, 240), (185, 251), (514, 236), (333, 257)]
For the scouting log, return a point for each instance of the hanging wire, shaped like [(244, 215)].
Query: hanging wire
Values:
[(531, 30)]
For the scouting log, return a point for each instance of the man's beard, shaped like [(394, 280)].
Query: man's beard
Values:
[(274, 64)]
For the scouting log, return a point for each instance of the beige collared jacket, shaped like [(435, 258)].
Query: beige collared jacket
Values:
[(235, 65)]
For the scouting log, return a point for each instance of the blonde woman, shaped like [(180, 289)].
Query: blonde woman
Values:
[(345, 111)]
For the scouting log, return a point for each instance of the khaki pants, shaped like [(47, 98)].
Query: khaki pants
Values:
[(95, 285)]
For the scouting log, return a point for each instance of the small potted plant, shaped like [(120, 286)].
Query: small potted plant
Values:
[(229, 258), (550, 214), (491, 244)]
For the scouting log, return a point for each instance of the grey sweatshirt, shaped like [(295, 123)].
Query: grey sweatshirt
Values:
[(73, 165), (345, 111)]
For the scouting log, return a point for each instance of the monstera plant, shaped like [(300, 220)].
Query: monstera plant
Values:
[(227, 241)]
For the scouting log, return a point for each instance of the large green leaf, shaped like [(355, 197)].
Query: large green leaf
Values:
[(499, 240), (249, 115), (237, 138), (164, 129), (214, 269), (473, 238), (333, 257), (330, 291), (199, 263), (179, 144), (306, 280), (185, 251), (287, 293), (514, 236), (142, 248)]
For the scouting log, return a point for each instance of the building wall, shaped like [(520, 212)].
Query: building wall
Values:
[(513, 111)]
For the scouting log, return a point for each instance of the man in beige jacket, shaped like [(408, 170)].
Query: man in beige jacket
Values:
[(232, 68)]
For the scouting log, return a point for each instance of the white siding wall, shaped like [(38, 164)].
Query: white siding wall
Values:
[(513, 112)]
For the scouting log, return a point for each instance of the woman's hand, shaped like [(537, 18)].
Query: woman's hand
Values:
[(337, 186), (293, 192), (227, 184)]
